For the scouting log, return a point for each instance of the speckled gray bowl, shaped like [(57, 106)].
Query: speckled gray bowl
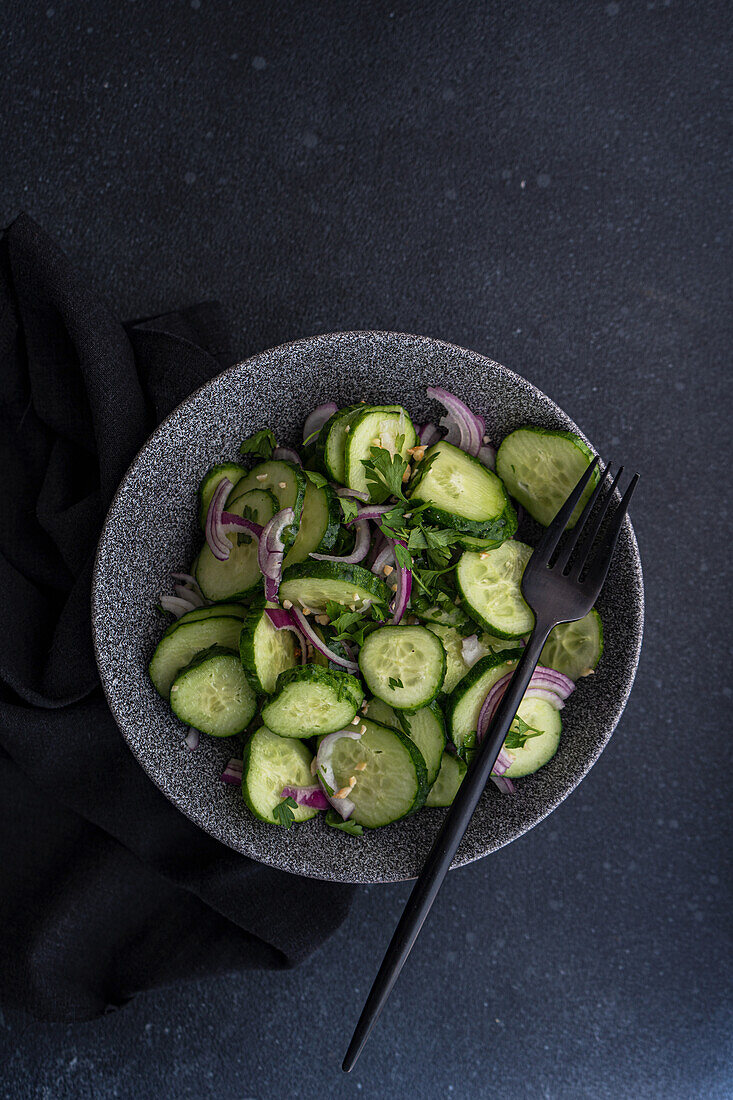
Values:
[(151, 530)]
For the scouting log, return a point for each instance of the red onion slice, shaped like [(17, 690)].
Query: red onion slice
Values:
[(271, 550), (562, 684), (232, 772), (189, 594), (465, 428), (307, 796), (325, 774), (341, 491), (360, 551), (505, 785), (307, 630), (487, 456), (190, 582), (404, 586), (177, 605), (384, 557), (373, 512), (287, 454), (428, 434), (218, 542), (315, 420)]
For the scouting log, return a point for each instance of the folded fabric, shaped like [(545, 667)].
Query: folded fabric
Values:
[(106, 888)]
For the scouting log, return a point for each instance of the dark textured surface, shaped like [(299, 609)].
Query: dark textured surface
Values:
[(151, 532), (353, 166)]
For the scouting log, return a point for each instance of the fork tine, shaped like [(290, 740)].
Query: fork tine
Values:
[(572, 538), (548, 543), (602, 560), (594, 527)]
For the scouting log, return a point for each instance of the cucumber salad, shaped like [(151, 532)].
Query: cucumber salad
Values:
[(355, 612)]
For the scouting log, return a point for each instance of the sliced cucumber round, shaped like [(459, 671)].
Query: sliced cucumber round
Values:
[(542, 746), (380, 712), (212, 694), (540, 468), (313, 583), (455, 667), (463, 495), (426, 727), (269, 764), (319, 524), (490, 584), (331, 441), (175, 650), (239, 575), (389, 773), (450, 777), (310, 701), (464, 703), (381, 426), (403, 666), (213, 611), (575, 648), (211, 480), (264, 651), (288, 484)]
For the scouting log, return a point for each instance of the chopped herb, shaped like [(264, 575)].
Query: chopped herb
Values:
[(243, 539), (387, 469), (261, 444), (317, 479), (349, 508), (519, 733), (283, 812), (334, 820), (403, 556), (395, 682)]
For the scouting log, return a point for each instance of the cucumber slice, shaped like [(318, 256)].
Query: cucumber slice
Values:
[(490, 583), (288, 484), (463, 494), (320, 523), (439, 614), (211, 479), (403, 666), (310, 701), (240, 574), (536, 750), (380, 712), (269, 764), (575, 648), (331, 441), (426, 727), (455, 666), (264, 651), (450, 777), (312, 584), (540, 468), (175, 650), (465, 701), (392, 780), (214, 611), (375, 425), (212, 694)]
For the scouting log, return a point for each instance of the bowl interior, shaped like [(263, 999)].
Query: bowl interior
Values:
[(152, 530)]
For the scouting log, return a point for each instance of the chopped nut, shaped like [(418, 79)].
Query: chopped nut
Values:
[(306, 610), (175, 688), (406, 475), (352, 780), (387, 570), (261, 477), (364, 706), (483, 555), (343, 792), (485, 439), (347, 428), (356, 597), (360, 766), (418, 453), (282, 484), (585, 672), (356, 721), (362, 729), (323, 620), (287, 604)]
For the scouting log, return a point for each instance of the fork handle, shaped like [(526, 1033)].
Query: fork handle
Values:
[(446, 843)]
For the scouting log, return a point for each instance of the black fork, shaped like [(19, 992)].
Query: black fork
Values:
[(560, 588)]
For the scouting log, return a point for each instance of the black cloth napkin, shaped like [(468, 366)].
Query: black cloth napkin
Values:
[(105, 888)]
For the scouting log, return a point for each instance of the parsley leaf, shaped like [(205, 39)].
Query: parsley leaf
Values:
[(335, 821), (318, 479), (283, 812), (403, 556), (385, 469), (519, 733), (349, 508), (261, 444), (395, 682)]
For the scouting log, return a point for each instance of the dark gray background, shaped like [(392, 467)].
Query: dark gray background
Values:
[(546, 183)]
